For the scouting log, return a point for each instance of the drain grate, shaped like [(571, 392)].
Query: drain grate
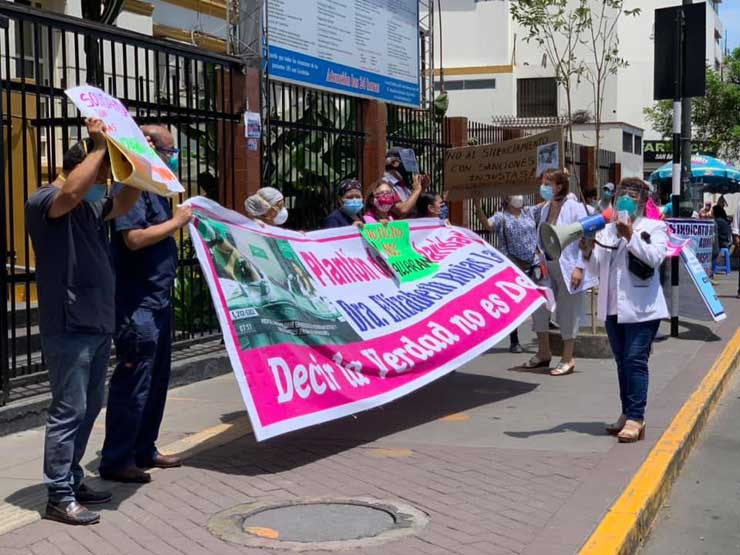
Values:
[(328, 524)]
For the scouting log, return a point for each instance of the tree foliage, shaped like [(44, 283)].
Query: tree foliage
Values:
[(715, 118), (603, 60), (556, 28)]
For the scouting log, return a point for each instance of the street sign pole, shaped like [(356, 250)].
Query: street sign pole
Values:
[(676, 173)]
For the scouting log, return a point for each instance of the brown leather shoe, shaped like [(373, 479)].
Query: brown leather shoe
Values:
[(163, 461), (130, 475), (70, 512)]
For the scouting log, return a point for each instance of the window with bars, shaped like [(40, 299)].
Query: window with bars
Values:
[(537, 97)]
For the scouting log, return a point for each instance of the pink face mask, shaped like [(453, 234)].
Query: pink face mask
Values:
[(384, 203)]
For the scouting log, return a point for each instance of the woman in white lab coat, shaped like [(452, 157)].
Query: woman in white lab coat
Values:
[(627, 256), (567, 277)]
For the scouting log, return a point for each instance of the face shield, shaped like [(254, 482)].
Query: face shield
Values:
[(631, 197)]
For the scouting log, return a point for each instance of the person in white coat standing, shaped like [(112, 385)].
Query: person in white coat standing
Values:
[(567, 277), (627, 255)]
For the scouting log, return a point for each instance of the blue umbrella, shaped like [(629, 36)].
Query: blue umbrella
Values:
[(715, 175)]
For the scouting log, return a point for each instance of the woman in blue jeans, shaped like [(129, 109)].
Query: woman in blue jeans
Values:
[(626, 256)]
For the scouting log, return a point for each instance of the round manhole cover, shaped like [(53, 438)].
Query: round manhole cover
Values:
[(321, 522), (329, 524)]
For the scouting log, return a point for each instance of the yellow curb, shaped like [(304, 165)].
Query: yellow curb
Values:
[(13, 517), (628, 521)]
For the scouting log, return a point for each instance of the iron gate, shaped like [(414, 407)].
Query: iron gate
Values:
[(187, 89), (313, 140)]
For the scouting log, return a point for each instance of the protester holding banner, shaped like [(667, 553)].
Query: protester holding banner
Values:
[(379, 202), (566, 277), (626, 257), (267, 206), (66, 222), (516, 228), (145, 259), (350, 207), (407, 185), (429, 205)]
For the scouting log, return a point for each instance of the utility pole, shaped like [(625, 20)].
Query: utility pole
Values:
[(677, 168), (685, 119)]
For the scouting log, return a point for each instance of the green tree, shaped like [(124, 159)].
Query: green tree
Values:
[(556, 28), (715, 117), (601, 41)]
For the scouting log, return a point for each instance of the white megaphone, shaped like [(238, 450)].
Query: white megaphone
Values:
[(555, 238)]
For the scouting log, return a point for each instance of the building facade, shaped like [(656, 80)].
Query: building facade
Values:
[(491, 70)]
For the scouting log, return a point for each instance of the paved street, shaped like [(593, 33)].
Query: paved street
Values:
[(502, 461), (702, 516)]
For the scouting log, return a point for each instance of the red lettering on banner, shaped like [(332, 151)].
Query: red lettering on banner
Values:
[(340, 269)]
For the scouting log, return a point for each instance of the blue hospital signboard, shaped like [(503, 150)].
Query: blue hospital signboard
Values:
[(367, 48)]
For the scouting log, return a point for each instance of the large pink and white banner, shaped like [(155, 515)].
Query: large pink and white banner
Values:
[(316, 326)]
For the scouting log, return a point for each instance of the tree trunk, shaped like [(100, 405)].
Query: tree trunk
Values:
[(597, 128)]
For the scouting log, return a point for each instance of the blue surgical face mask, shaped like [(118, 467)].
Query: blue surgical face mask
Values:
[(173, 162), (96, 193), (546, 192), (352, 206), (444, 211), (625, 203), (607, 195)]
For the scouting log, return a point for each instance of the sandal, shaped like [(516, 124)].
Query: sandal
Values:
[(633, 431), (537, 362), (563, 369)]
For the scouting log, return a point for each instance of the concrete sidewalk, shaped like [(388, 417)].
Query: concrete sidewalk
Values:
[(502, 460)]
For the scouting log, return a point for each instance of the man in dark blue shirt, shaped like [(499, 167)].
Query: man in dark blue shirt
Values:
[(145, 260), (66, 222)]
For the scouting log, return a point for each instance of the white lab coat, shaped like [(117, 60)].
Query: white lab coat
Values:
[(638, 300), (571, 257)]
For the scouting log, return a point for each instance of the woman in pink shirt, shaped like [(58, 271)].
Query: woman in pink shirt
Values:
[(379, 203)]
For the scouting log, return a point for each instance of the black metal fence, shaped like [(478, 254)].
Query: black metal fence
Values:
[(427, 135), (312, 141), (487, 134), (41, 55)]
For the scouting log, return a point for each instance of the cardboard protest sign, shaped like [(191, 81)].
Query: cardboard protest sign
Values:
[(133, 161), (502, 168), (392, 242), (317, 327)]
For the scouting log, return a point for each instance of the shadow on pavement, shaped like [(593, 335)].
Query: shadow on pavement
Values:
[(33, 498), (589, 428), (693, 331), (453, 394)]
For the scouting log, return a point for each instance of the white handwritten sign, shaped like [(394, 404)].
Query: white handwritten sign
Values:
[(133, 161)]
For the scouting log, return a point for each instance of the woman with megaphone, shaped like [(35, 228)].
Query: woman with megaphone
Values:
[(626, 255), (567, 276)]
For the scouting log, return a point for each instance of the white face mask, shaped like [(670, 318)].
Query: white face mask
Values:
[(281, 217), (516, 201)]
